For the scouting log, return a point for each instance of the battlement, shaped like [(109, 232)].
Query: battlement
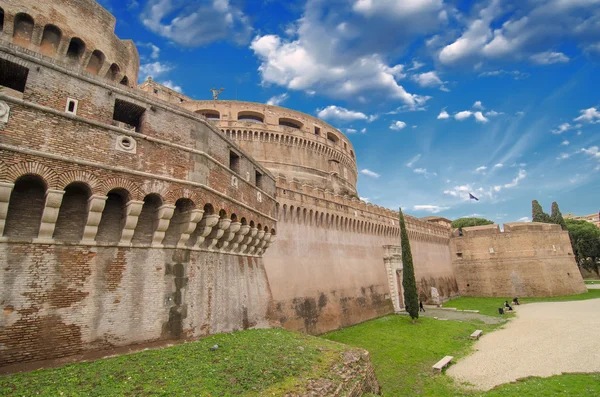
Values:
[(513, 227)]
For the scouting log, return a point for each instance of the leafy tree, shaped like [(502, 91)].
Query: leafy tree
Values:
[(557, 217), (411, 297), (538, 214), (585, 240), (468, 222)]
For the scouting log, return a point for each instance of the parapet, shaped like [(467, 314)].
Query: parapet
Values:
[(522, 227)]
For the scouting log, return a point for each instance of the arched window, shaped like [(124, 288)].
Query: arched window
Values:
[(50, 40), (148, 220), (73, 213), (96, 62), (114, 72), (210, 114), (76, 49), (253, 117), (113, 217), (352, 153), (1, 19), (290, 123), (125, 81), (182, 208), (26, 207), (23, 29), (331, 137)]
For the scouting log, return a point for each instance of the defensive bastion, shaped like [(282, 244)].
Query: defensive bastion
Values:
[(135, 214)]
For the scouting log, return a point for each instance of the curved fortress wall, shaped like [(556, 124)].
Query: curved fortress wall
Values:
[(526, 260), (123, 219)]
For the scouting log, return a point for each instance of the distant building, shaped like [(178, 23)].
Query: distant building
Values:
[(593, 218), (438, 219)]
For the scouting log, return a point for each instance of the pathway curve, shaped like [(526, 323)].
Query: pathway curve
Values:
[(544, 339)]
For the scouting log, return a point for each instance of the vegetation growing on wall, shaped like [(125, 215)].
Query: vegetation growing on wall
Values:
[(411, 298), (585, 240), (468, 222)]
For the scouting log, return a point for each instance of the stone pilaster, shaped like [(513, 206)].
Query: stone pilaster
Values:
[(132, 213), (95, 207), (5, 192), (50, 214), (194, 216), (163, 216)]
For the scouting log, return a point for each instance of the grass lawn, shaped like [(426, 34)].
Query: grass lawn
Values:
[(591, 281), (489, 306), (249, 363), (403, 354)]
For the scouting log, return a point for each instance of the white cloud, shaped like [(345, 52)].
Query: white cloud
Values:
[(173, 86), (350, 131), (524, 219), (370, 173), (563, 156), (197, 22), (591, 115), (564, 127), (428, 79), (416, 65), (565, 143), (154, 70), (424, 172), (465, 114), (155, 50), (342, 114), (277, 100), (520, 176), (434, 209), (481, 169), (413, 161), (443, 115), (549, 57), (363, 131), (478, 105), (493, 113), (515, 74), (592, 151), (397, 125), (365, 199), (405, 8), (480, 117), (499, 165)]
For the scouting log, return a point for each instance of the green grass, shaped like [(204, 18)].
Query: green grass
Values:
[(489, 306), (592, 281), (403, 353), (249, 363)]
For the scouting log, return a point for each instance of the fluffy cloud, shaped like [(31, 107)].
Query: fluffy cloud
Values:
[(402, 9), (434, 209), (563, 156), (465, 114), (154, 69), (592, 151), (524, 219), (173, 86), (478, 105), (424, 172), (515, 74), (565, 143), (443, 115), (370, 173), (342, 114), (197, 22), (398, 125), (429, 79), (520, 176), (549, 57), (481, 170), (564, 127), (277, 100), (591, 115), (490, 192)]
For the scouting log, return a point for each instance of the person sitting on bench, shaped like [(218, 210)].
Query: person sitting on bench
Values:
[(515, 301), (506, 305)]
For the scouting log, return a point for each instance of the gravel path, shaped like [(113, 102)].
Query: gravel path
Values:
[(544, 339), (460, 316)]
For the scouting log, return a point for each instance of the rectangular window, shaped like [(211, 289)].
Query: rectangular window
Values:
[(129, 114), (258, 179), (317, 131), (234, 162), (71, 106), (13, 76)]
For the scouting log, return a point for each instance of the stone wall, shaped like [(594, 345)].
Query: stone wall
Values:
[(526, 260), (61, 300)]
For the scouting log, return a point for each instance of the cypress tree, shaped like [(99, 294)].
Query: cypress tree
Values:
[(557, 217), (411, 297), (538, 214)]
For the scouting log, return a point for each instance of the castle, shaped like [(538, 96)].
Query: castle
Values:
[(131, 214)]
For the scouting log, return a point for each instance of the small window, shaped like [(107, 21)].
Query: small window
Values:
[(258, 179), (128, 113), (13, 76), (345, 146), (155, 91), (332, 138), (71, 106), (317, 130), (210, 114), (234, 162), (253, 117), (125, 81), (290, 123), (459, 254)]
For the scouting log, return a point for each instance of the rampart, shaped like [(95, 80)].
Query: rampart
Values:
[(526, 260), (123, 219)]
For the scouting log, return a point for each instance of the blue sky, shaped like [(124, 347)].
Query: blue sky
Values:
[(439, 98)]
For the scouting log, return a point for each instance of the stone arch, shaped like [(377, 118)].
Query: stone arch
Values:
[(125, 81), (84, 177), (183, 206), (317, 218), (173, 195), (25, 207), (23, 29), (76, 49), (132, 189), (113, 73), (298, 215), (96, 62), (113, 216), (291, 214), (15, 171), (251, 116), (148, 220), (284, 213), (73, 212), (50, 40)]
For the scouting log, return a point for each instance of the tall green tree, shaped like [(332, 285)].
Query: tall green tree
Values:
[(468, 222), (585, 240), (556, 216), (538, 214), (411, 297)]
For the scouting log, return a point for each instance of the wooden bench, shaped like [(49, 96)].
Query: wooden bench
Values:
[(444, 362), (476, 334)]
